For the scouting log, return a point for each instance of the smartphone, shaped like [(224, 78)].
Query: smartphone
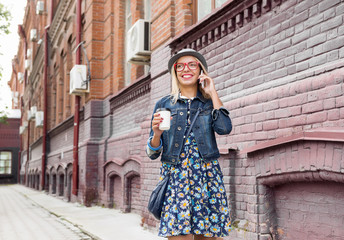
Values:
[(202, 84)]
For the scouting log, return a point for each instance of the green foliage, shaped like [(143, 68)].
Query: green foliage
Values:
[(3, 117), (5, 18)]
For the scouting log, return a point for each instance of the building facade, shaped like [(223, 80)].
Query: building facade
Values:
[(277, 66), (9, 149)]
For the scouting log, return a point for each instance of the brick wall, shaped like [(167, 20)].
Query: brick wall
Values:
[(278, 68), (10, 141), (310, 210)]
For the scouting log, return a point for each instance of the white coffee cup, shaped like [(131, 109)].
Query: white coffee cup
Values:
[(165, 113)]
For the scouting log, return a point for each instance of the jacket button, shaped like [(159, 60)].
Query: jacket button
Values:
[(179, 128), (181, 113), (176, 145)]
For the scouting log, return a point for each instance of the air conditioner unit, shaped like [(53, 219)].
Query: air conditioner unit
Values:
[(39, 119), (20, 77), (40, 7), (139, 43), (21, 129), (33, 35), (78, 80), (29, 52), (27, 64), (15, 95), (33, 111)]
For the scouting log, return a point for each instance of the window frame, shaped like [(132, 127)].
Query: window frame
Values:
[(10, 160), (195, 10)]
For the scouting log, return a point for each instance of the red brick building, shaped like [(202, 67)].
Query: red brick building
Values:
[(278, 68), (9, 149)]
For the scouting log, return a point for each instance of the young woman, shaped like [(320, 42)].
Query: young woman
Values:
[(195, 205)]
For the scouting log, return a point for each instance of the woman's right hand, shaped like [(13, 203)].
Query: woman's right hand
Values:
[(157, 119)]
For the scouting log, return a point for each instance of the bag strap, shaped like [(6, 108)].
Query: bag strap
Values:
[(193, 122)]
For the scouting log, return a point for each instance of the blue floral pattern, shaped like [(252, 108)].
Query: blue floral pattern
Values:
[(195, 201)]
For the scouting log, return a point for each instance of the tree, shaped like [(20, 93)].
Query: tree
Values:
[(5, 18)]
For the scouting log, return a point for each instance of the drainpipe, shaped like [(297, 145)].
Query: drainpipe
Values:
[(20, 144), (51, 11), (16, 90), (45, 96), (23, 35), (77, 106), (28, 142)]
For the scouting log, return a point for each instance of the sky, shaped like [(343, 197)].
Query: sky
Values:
[(9, 48)]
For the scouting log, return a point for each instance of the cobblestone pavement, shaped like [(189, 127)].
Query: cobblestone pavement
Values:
[(23, 219)]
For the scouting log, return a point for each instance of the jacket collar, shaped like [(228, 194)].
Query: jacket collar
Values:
[(198, 96)]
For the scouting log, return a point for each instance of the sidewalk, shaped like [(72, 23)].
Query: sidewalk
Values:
[(100, 223)]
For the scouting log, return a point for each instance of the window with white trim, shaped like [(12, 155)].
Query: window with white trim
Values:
[(5, 162), (204, 7)]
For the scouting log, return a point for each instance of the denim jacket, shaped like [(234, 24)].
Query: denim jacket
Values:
[(208, 122)]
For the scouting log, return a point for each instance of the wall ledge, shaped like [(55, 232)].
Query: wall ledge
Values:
[(323, 134)]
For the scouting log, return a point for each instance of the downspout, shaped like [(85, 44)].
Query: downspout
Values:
[(45, 96), (28, 143), (51, 11), (20, 141), (77, 106), (23, 35)]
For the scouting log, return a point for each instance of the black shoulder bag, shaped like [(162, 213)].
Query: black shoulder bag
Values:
[(156, 200)]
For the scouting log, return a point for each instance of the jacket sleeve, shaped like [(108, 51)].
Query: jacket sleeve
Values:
[(222, 123), (153, 153)]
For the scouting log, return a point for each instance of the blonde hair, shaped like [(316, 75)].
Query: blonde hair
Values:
[(175, 83)]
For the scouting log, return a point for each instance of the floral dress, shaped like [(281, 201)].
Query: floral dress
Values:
[(195, 201)]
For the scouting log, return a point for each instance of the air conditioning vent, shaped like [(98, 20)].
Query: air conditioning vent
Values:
[(21, 129), (29, 52), (15, 98), (20, 77), (27, 64), (33, 35), (33, 111), (78, 80), (15, 95), (39, 116), (139, 43), (40, 7)]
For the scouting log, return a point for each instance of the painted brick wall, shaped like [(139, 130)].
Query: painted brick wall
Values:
[(278, 71), (264, 66), (295, 202)]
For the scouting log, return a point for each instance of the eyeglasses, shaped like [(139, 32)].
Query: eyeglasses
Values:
[(180, 66)]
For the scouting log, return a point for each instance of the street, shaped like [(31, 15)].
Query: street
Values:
[(27, 214), (21, 218)]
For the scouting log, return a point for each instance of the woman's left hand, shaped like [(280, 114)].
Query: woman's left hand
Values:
[(208, 83)]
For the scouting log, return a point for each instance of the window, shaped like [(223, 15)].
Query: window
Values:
[(204, 7), (5, 162)]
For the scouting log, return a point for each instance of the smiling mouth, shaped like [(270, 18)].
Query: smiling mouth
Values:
[(187, 76)]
